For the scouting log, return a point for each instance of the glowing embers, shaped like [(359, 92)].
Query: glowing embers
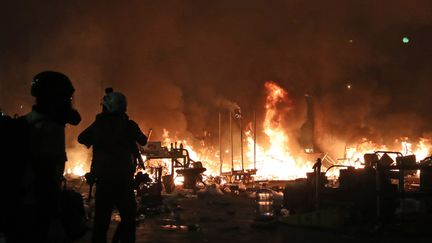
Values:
[(354, 155), (77, 170)]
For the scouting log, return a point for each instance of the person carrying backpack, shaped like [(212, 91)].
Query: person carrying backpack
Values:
[(37, 149), (113, 137)]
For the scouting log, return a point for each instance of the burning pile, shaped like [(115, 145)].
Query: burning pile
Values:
[(276, 157)]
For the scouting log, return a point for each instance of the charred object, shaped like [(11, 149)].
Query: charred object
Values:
[(149, 192), (379, 192), (181, 164)]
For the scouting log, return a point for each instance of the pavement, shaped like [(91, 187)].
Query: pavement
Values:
[(231, 218)]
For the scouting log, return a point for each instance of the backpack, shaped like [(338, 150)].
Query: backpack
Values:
[(14, 151), (14, 154), (16, 179)]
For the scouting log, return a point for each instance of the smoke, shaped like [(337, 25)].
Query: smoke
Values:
[(181, 62)]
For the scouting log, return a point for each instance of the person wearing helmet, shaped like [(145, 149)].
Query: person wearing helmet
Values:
[(53, 109), (54, 92), (113, 137), (39, 200)]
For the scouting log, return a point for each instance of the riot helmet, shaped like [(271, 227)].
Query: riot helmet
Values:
[(114, 102), (51, 85)]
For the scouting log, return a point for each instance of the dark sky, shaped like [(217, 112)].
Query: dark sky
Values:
[(180, 62)]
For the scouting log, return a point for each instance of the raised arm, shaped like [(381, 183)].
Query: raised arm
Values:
[(137, 134)]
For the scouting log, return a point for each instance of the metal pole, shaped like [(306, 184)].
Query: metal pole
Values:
[(378, 189), (254, 118), (2, 99), (220, 144), (241, 142), (317, 169), (231, 139)]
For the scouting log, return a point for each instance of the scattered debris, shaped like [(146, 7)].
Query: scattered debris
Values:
[(211, 190)]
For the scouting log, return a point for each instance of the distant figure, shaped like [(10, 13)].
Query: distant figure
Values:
[(37, 150), (113, 137)]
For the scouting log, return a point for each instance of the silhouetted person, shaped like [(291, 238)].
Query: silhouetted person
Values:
[(37, 192), (113, 137)]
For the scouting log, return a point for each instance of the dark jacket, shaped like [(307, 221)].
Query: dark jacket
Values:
[(113, 137)]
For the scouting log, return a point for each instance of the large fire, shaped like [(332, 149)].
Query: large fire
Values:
[(275, 158), (276, 161)]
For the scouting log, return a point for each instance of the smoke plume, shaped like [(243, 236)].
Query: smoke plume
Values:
[(180, 63)]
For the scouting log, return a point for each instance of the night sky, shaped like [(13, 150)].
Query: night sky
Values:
[(181, 62)]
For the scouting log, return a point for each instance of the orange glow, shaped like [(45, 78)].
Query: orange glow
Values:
[(421, 150), (77, 169), (275, 159), (354, 155), (78, 160), (203, 154)]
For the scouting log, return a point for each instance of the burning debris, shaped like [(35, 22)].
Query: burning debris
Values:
[(278, 155), (277, 173), (341, 135)]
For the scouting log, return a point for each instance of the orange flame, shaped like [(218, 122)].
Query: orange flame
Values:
[(276, 161)]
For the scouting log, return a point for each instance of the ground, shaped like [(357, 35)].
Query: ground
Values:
[(230, 218)]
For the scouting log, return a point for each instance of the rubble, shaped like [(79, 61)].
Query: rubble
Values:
[(231, 207), (210, 190)]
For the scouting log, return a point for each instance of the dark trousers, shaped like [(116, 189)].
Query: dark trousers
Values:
[(109, 195)]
